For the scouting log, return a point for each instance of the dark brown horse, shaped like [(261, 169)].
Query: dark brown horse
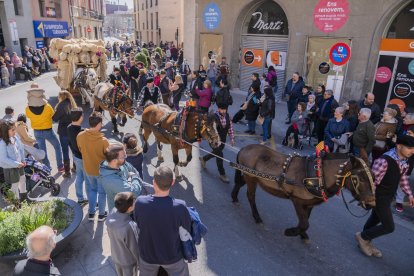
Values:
[(115, 101), (294, 183), (159, 119)]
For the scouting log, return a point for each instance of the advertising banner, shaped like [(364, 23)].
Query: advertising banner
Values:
[(403, 84), (331, 15), (253, 57), (212, 16), (50, 29)]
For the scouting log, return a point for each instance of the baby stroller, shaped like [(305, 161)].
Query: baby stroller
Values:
[(38, 174), (304, 135)]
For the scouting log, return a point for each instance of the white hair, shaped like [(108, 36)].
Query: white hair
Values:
[(409, 116), (49, 245), (366, 112), (340, 110)]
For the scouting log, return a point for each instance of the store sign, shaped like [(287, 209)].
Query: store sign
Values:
[(40, 44), (340, 53), (268, 18), (331, 15), (383, 74), (50, 29), (324, 68), (212, 16), (403, 85), (253, 57), (50, 12), (276, 59)]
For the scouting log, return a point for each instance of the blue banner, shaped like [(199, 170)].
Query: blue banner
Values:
[(40, 44), (50, 29), (212, 16)]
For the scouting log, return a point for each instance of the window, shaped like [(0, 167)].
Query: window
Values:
[(151, 3), (146, 18), (152, 22), (142, 6), (58, 8), (402, 27), (146, 4), (42, 8), (156, 20), (156, 2), (143, 25), (18, 8)]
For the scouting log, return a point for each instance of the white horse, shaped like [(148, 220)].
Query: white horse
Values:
[(86, 80)]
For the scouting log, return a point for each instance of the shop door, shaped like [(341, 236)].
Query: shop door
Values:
[(265, 49)]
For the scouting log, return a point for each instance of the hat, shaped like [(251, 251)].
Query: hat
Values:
[(36, 96), (406, 140)]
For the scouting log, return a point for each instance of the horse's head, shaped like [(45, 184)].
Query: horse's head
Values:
[(92, 78), (361, 182), (209, 130), (125, 103)]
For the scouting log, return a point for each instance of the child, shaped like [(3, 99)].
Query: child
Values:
[(123, 235), (12, 159), (134, 152)]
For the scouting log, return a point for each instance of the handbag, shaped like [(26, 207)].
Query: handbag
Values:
[(246, 103), (260, 120)]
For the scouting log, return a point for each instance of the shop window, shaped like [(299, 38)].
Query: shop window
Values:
[(319, 68), (18, 8), (268, 19), (402, 27)]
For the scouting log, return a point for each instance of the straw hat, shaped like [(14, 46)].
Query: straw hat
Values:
[(36, 96)]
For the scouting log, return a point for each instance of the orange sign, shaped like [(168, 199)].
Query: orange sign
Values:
[(253, 57), (397, 45)]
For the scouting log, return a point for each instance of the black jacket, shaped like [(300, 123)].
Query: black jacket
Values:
[(375, 111), (133, 72), (30, 267), (195, 84), (252, 110), (267, 108), (72, 133), (255, 84), (223, 98), (164, 85), (62, 115), (142, 81), (294, 90)]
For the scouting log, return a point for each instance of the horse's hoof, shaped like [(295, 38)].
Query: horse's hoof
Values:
[(116, 131), (306, 241), (179, 178), (121, 124), (183, 164), (292, 232), (258, 221)]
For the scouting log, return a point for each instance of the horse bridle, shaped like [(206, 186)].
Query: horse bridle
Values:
[(207, 128)]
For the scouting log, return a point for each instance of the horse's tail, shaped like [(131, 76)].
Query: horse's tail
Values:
[(238, 175)]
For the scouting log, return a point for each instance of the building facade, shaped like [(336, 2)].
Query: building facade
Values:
[(159, 20), (119, 21), (87, 18), (351, 46), (15, 25)]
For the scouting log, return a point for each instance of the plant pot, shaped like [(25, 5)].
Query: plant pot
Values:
[(61, 240)]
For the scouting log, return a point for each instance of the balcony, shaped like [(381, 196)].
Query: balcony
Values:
[(86, 14)]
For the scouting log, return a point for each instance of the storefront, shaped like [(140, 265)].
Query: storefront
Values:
[(45, 30), (394, 77)]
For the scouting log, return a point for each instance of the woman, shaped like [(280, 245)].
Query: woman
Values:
[(204, 95), (299, 124), (202, 73), (157, 78), (134, 152), (351, 114), (124, 72), (17, 65), (142, 80), (176, 88), (271, 78), (311, 109), (267, 111), (252, 109), (335, 128), (12, 159), (384, 129), (62, 116), (320, 90), (23, 131)]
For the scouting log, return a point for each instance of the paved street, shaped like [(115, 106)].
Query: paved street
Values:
[(235, 245)]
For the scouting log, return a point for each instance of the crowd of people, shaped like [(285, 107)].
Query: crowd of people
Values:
[(111, 171), (31, 64)]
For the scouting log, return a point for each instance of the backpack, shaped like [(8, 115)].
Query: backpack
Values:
[(273, 81)]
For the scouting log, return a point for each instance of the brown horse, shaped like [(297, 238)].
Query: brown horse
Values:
[(114, 100), (159, 119), (338, 171)]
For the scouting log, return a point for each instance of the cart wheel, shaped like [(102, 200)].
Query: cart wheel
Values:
[(55, 189)]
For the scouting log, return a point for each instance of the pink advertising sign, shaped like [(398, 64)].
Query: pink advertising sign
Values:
[(331, 15), (383, 74)]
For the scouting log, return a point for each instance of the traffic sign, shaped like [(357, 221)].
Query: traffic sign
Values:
[(253, 57), (340, 53)]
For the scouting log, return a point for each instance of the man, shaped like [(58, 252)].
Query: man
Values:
[(116, 175), (212, 74), (9, 113), (364, 136), (164, 87), (134, 74), (224, 128), (184, 72), (159, 216), (116, 79), (293, 90), (76, 115), (255, 82), (368, 102), (40, 244), (150, 92), (390, 171), (92, 145), (223, 97), (224, 68), (169, 70), (325, 112)]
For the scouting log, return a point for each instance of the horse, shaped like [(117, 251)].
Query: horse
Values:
[(292, 180), (159, 119), (115, 100), (85, 82)]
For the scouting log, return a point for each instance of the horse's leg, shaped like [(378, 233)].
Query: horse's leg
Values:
[(176, 160), (303, 225), (303, 235), (238, 183), (251, 196), (189, 153), (124, 119), (159, 152), (147, 133), (113, 120)]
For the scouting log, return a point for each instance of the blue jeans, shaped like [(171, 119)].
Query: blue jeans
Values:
[(213, 84), (252, 125), (265, 126), (80, 177), (64, 144), (49, 135), (95, 190)]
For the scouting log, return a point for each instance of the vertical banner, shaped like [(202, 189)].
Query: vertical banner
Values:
[(331, 15)]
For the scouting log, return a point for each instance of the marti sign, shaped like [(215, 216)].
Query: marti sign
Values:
[(261, 25)]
